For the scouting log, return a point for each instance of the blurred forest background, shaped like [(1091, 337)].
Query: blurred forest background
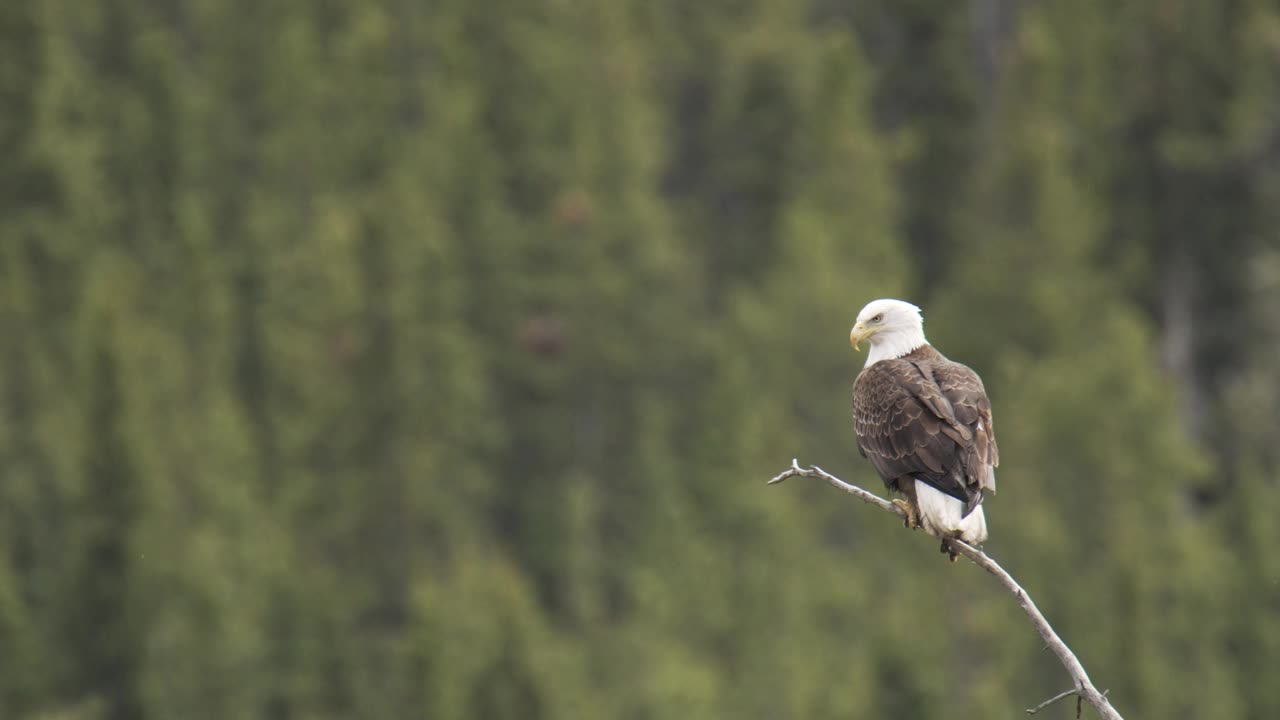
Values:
[(398, 359)]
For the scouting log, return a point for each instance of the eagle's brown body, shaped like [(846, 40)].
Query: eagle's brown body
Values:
[(921, 417)]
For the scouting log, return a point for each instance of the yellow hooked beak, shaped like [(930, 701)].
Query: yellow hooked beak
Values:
[(857, 335)]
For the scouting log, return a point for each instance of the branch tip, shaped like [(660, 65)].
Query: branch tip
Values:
[(1054, 699)]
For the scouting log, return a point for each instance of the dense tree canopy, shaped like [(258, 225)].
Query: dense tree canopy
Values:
[(396, 359)]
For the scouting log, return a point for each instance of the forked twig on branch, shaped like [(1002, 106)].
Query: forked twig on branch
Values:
[(1084, 688)]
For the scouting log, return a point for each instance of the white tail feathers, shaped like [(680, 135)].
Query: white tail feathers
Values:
[(943, 516)]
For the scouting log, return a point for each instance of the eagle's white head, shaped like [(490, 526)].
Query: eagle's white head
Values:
[(893, 327)]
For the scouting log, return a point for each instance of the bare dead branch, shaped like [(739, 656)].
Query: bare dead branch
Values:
[(816, 472), (1052, 700), (1084, 688)]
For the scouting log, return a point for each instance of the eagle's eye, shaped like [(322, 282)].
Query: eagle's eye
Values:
[(877, 318)]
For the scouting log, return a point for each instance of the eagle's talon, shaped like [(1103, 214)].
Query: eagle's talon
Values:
[(949, 550), (910, 519)]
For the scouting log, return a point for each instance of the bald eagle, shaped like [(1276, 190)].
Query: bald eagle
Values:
[(924, 422)]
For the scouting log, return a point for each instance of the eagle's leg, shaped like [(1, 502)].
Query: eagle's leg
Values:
[(910, 509), (911, 518)]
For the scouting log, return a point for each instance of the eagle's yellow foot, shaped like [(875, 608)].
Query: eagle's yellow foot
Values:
[(910, 520)]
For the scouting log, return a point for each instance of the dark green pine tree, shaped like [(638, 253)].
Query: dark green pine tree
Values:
[(103, 618)]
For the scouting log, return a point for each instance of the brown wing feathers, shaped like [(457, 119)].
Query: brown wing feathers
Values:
[(972, 408), (926, 417)]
